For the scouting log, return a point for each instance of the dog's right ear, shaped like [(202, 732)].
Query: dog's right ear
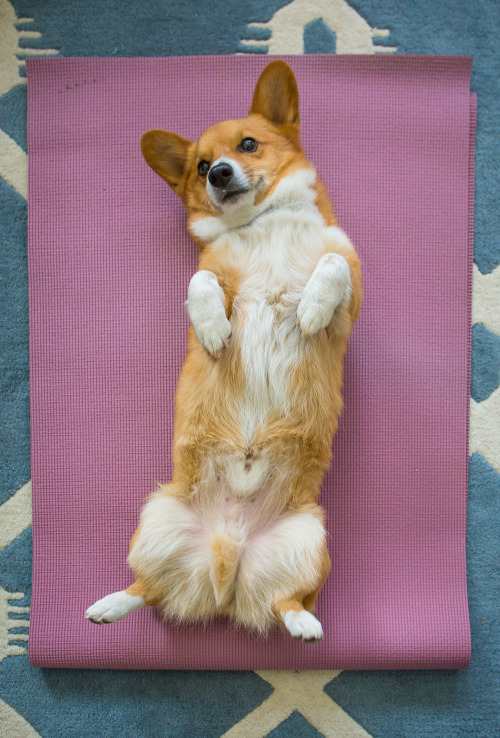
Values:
[(276, 95), (167, 154)]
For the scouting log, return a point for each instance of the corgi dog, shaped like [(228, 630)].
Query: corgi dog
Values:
[(238, 531)]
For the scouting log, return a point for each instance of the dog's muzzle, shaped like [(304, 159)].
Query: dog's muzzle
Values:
[(227, 184)]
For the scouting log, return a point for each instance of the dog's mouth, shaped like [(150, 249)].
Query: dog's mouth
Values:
[(233, 195)]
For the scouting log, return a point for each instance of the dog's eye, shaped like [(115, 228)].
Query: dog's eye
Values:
[(203, 168), (248, 144)]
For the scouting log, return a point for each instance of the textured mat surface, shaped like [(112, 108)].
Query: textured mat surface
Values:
[(109, 264)]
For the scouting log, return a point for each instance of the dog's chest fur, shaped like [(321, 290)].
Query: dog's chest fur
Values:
[(275, 257), (275, 267)]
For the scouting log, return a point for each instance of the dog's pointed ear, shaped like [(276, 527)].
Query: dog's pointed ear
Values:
[(167, 154), (276, 95)]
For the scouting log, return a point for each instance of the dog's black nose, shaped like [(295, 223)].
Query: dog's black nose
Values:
[(220, 175)]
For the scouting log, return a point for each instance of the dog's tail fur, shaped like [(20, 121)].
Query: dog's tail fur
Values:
[(224, 567)]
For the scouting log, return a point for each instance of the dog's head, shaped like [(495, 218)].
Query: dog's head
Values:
[(236, 164)]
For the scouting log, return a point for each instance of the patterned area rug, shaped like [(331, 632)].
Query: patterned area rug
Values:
[(57, 703)]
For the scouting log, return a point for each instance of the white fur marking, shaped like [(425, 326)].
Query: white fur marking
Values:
[(113, 607), (302, 625), (206, 307), (270, 346)]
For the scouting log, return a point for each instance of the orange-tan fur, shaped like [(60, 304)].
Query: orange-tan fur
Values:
[(206, 503)]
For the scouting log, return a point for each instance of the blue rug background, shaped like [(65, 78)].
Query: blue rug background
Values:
[(107, 703)]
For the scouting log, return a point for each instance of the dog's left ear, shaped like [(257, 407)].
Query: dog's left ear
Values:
[(167, 154), (276, 95)]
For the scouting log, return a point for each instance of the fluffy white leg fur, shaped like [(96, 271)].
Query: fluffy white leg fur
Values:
[(113, 607), (175, 549), (328, 287), (302, 625), (206, 307)]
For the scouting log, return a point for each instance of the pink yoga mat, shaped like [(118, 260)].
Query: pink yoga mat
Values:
[(109, 266)]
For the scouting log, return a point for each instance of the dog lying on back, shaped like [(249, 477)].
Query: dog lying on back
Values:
[(238, 531)]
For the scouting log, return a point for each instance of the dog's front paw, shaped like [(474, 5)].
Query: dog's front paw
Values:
[(206, 307), (303, 625), (313, 315), (213, 333), (327, 289)]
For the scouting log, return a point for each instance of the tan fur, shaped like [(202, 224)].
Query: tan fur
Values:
[(212, 538), (225, 560), (138, 588)]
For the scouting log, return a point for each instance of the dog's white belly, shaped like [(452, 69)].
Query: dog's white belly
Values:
[(271, 345), (264, 326)]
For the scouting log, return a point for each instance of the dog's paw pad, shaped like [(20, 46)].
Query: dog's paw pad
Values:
[(303, 625)]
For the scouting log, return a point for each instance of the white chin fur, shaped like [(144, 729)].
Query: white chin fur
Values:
[(234, 207)]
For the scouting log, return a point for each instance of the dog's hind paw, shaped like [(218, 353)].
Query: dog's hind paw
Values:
[(303, 625), (113, 607)]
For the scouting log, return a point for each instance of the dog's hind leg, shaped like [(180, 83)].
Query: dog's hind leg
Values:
[(118, 605), (299, 622), (296, 614), (114, 606)]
